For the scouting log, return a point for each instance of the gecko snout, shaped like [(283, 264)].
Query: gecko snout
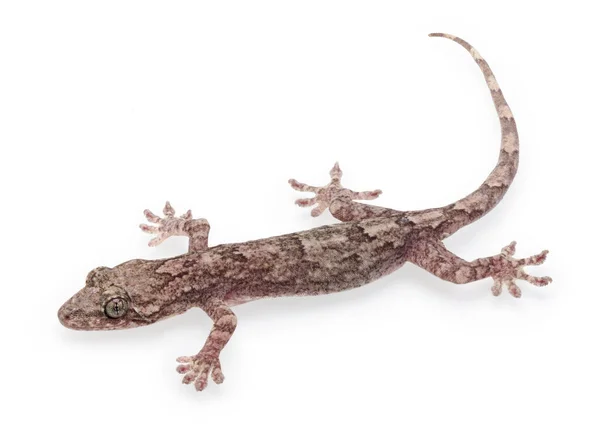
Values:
[(82, 310), (65, 315)]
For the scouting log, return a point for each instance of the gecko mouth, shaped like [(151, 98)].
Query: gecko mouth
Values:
[(70, 317), (76, 318)]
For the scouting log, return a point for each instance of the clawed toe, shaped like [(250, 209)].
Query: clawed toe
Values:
[(306, 202), (513, 288), (538, 259), (168, 210), (510, 284), (217, 373), (535, 280), (319, 209), (301, 187), (368, 196), (510, 249)]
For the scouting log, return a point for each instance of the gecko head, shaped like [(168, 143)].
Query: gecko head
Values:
[(105, 303)]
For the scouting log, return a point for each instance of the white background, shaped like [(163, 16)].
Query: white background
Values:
[(107, 108)]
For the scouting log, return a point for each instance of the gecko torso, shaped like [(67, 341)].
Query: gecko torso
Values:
[(369, 243)]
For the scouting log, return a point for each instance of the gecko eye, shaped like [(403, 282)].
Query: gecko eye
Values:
[(116, 307)]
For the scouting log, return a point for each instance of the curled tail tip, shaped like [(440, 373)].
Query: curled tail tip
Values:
[(447, 36)]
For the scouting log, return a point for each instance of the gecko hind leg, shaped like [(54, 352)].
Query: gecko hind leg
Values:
[(503, 268), (339, 200), (169, 225)]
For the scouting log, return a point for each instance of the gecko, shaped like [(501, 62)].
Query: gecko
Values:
[(370, 242)]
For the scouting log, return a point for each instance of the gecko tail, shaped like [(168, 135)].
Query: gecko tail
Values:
[(448, 36), (493, 189)]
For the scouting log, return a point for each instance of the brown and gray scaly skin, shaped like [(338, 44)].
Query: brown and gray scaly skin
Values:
[(369, 243)]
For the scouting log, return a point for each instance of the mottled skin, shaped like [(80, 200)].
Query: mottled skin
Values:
[(369, 243)]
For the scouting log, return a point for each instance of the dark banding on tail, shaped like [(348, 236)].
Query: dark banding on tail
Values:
[(487, 196)]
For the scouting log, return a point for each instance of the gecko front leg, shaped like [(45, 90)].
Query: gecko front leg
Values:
[(197, 367), (432, 255), (196, 229)]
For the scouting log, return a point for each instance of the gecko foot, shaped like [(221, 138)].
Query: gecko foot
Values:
[(508, 270), (197, 368), (326, 194), (170, 225)]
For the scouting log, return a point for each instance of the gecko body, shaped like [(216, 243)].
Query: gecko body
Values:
[(370, 242)]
